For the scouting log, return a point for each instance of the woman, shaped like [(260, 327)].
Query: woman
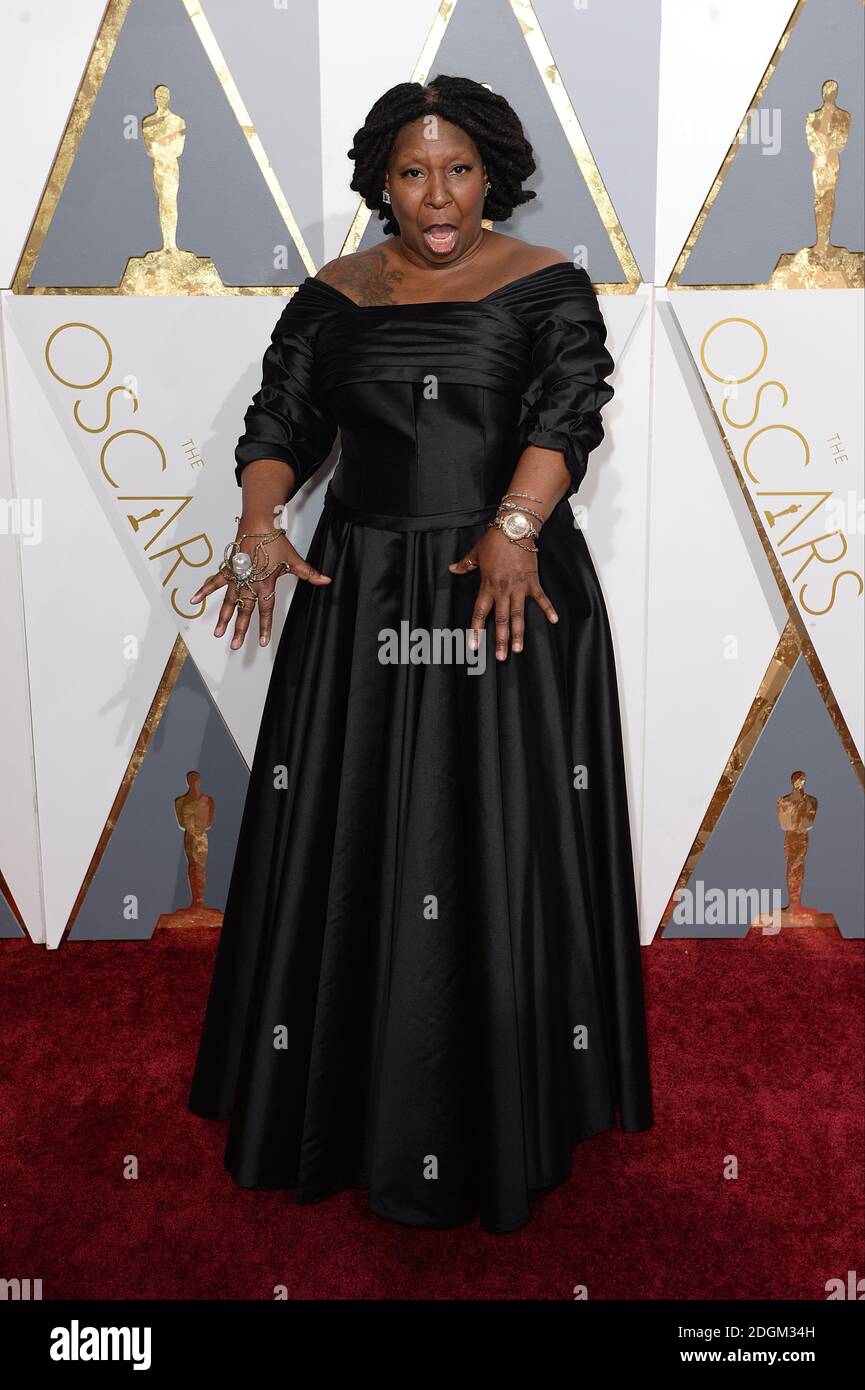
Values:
[(428, 980)]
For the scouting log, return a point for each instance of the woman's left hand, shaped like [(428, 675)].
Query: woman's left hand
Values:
[(509, 575)]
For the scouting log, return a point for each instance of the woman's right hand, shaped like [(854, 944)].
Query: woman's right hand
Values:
[(280, 552)]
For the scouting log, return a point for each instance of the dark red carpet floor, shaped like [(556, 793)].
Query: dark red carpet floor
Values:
[(757, 1056)]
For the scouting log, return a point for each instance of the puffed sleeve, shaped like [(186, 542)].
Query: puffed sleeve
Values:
[(287, 419), (561, 408)]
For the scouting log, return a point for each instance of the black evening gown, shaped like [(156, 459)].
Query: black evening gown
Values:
[(428, 980)]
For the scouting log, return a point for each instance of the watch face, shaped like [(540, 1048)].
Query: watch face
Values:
[(516, 525)]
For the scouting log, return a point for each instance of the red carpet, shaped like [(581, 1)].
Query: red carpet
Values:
[(757, 1052)]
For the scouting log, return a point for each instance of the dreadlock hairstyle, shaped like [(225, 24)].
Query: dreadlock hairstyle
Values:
[(486, 117)]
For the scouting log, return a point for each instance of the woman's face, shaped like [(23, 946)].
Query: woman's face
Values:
[(435, 177)]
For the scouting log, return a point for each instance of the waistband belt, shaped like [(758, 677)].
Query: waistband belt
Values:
[(433, 521)]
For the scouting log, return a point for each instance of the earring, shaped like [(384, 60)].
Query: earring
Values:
[(487, 187), (385, 196)]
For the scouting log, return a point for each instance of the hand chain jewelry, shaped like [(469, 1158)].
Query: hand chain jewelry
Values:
[(244, 570)]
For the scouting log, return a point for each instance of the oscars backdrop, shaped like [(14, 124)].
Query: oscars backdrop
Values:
[(175, 168)]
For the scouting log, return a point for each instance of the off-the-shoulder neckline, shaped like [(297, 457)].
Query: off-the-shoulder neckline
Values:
[(557, 266)]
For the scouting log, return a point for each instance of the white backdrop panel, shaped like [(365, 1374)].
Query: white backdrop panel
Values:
[(193, 364), (712, 59), (19, 828), (800, 427), (83, 602), (708, 582)]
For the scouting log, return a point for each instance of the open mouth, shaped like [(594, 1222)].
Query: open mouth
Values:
[(441, 237)]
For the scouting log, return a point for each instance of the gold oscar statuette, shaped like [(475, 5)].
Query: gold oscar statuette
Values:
[(168, 270), (823, 265), (797, 812), (194, 813)]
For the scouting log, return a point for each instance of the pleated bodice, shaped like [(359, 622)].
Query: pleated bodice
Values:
[(434, 402)]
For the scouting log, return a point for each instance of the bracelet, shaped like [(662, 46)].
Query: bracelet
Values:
[(512, 532), (516, 507)]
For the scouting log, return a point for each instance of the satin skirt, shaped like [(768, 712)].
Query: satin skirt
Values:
[(428, 980)]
